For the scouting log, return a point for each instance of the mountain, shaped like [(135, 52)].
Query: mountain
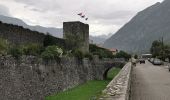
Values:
[(57, 32), (136, 36), (99, 39)]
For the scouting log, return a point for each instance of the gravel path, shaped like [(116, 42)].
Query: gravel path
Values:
[(150, 82)]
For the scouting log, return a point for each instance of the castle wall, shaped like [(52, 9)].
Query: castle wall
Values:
[(18, 35), (32, 79)]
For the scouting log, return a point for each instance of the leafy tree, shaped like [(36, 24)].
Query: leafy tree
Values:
[(136, 56), (156, 48), (123, 54)]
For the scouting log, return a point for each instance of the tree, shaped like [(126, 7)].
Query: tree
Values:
[(156, 48), (136, 56), (123, 54), (160, 50)]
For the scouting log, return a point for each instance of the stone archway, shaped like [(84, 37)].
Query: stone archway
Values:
[(109, 66), (106, 72)]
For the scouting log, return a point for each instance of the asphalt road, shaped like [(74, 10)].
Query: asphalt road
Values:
[(150, 82)]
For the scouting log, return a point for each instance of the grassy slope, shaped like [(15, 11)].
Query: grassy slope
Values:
[(85, 91)]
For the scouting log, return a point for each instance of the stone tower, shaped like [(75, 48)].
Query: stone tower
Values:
[(77, 35)]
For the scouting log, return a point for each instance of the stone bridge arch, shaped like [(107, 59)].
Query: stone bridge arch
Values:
[(110, 65)]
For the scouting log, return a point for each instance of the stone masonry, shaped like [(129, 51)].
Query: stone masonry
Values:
[(77, 34), (119, 87), (29, 78)]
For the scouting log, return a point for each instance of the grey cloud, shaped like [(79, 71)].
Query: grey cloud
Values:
[(123, 14), (40, 5), (104, 13), (4, 11), (29, 2)]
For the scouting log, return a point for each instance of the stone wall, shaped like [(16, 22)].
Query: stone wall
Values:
[(77, 34), (119, 87), (32, 79), (19, 35)]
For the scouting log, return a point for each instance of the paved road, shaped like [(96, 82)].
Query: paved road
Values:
[(150, 82)]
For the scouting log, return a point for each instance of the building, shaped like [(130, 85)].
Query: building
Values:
[(114, 51)]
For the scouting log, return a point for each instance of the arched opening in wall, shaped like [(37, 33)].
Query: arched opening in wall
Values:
[(110, 73), (105, 73)]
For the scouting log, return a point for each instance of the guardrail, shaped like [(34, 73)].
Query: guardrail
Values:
[(119, 87)]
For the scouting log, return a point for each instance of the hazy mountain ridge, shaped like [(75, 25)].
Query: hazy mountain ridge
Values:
[(148, 25), (58, 32), (100, 39)]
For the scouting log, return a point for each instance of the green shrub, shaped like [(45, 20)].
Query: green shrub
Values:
[(4, 45), (88, 55), (32, 49), (52, 52), (78, 54), (15, 51), (47, 55), (68, 53)]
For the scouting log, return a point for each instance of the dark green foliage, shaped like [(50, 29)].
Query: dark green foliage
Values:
[(156, 48), (123, 54), (52, 52), (136, 56), (15, 51), (4, 45), (78, 54), (160, 50), (32, 49), (88, 55), (102, 52)]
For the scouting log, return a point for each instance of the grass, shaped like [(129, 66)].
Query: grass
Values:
[(86, 91), (112, 73)]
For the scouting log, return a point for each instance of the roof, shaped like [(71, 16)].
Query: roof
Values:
[(113, 50)]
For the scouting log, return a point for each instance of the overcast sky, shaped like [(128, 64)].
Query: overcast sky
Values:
[(105, 16)]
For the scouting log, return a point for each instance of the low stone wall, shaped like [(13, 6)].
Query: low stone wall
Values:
[(119, 87), (29, 78)]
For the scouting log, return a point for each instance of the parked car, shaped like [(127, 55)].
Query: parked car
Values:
[(141, 61), (157, 61)]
